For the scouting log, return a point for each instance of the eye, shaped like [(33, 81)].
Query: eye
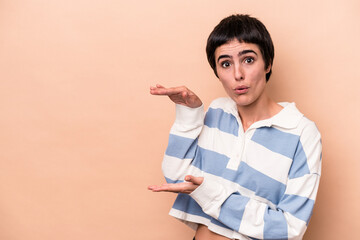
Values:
[(249, 60), (225, 64)]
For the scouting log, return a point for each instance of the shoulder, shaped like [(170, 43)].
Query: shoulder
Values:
[(224, 103), (222, 114), (223, 106), (291, 118), (309, 130), (305, 124)]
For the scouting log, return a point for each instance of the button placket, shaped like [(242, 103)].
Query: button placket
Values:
[(237, 152)]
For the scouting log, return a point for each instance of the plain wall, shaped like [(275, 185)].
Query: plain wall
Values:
[(81, 138)]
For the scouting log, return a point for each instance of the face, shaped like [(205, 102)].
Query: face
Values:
[(241, 70)]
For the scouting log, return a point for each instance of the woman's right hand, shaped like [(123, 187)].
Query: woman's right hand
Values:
[(179, 95)]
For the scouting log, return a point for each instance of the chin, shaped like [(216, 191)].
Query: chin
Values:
[(242, 101)]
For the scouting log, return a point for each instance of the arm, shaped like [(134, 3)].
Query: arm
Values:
[(250, 217), (184, 132)]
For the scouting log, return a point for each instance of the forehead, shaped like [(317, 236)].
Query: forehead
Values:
[(234, 47)]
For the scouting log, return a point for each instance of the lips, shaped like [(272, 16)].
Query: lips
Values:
[(241, 89)]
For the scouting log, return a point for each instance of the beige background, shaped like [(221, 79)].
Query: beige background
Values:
[(81, 137)]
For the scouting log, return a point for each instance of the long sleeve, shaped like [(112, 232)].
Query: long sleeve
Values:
[(182, 144), (258, 219)]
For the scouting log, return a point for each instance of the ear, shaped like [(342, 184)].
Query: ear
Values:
[(267, 70)]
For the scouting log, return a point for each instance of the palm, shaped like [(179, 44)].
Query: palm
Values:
[(179, 95)]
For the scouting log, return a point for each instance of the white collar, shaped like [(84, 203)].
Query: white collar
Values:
[(289, 117)]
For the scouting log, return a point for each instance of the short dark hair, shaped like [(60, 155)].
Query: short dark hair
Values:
[(245, 29)]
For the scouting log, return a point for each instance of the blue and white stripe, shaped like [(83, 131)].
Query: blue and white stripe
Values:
[(258, 184)]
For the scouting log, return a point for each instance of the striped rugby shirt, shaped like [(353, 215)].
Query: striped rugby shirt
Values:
[(258, 184)]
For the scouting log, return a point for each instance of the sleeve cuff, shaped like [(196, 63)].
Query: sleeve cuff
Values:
[(210, 195), (189, 116)]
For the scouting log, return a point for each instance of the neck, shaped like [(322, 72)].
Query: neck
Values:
[(261, 109)]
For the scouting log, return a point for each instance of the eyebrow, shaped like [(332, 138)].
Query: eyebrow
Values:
[(239, 54)]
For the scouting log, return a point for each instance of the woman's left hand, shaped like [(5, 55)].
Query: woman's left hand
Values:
[(184, 187)]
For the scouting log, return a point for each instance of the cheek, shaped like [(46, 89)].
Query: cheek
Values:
[(226, 85), (225, 80), (225, 75), (258, 75)]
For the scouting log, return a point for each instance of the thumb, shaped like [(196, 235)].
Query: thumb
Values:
[(194, 180)]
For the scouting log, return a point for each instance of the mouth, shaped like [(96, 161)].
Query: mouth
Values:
[(241, 89)]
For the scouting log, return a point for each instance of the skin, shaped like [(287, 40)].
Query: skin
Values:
[(241, 66), (242, 72)]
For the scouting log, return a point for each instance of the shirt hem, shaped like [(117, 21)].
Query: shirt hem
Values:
[(193, 221)]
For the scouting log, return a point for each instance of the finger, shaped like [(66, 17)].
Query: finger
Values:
[(155, 88), (173, 187), (183, 187), (194, 180), (162, 188), (184, 94), (152, 187), (167, 91), (158, 186)]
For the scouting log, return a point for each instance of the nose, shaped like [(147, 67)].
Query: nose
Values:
[(238, 72)]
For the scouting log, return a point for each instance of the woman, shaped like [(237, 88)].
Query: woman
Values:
[(249, 168)]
